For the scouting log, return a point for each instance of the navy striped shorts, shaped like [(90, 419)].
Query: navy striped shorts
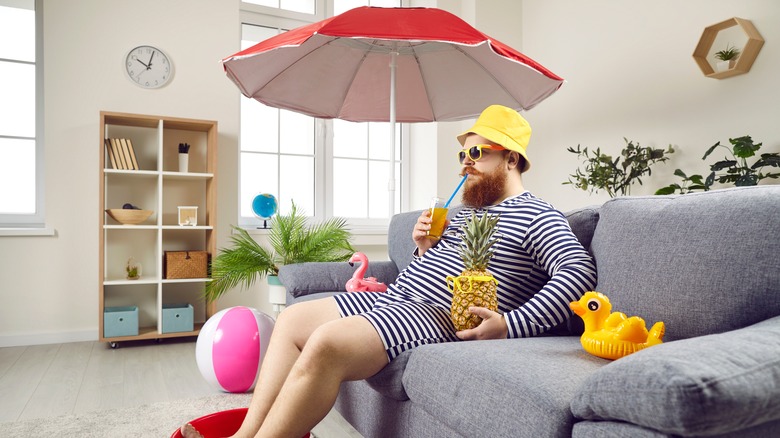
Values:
[(402, 324)]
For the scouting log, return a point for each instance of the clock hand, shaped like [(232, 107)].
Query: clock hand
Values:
[(148, 67), (142, 63)]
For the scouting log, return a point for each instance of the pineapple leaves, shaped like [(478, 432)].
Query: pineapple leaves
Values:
[(478, 240)]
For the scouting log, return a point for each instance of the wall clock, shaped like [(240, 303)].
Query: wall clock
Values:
[(148, 67)]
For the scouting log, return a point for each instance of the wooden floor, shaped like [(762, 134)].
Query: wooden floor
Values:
[(58, 379), (51, 380)]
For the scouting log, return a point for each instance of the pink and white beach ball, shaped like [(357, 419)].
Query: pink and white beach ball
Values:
[(231, 346)]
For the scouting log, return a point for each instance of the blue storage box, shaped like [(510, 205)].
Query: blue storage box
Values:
[(177, 318), (120, 321)]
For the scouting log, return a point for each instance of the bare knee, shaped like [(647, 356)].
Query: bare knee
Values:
[(347, 349), (323, 350), (299, 321)]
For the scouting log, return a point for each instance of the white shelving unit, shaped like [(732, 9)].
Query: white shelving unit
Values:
[(158, 186)]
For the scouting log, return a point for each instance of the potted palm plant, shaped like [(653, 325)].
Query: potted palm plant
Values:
[(292, 241), (726, 58)]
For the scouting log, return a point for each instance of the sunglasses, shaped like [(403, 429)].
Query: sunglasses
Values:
[(465, 283), (475, 152)]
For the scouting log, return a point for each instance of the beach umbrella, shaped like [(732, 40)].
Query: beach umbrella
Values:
[(372, 64)]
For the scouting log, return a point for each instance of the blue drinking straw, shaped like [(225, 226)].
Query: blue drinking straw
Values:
[(456, 190)]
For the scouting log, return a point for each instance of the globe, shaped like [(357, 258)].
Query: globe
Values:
[(264, 206)]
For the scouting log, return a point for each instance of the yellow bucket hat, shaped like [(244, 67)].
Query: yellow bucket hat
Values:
[(503, 126)]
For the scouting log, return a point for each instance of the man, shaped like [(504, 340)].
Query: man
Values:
[(539, 264)]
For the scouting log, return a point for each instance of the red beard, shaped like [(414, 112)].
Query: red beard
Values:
[(487, 190)]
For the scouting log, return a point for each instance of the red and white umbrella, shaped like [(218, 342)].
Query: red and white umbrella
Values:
[(373, 64)]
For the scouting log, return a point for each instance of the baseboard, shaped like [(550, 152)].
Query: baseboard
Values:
[(48, 338)]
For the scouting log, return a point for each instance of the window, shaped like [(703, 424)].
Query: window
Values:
[(303, 6), (277, 149), (327, 167), (21, 161), (361, 154)]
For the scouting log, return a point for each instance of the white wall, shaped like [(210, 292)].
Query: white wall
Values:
[(49, 285), (630, 73), (628, 68)]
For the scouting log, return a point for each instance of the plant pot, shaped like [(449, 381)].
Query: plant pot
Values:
[(184, 161), (724, 65), (277, 293)]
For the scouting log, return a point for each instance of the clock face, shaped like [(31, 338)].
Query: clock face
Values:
[(148, 67)]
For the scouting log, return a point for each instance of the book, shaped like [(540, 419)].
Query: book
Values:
[(128, 146), (110, 153), (126, 152), (120, 156)]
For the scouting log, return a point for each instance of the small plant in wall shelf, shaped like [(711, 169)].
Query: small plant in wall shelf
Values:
[(133, 269), (726, 58)]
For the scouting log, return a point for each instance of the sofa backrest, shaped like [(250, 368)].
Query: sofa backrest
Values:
[(400, 245), (703, 263)]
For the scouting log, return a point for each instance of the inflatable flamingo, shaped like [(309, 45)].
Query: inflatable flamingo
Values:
[(359, 284)]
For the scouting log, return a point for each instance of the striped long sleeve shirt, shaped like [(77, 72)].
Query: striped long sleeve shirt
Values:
[(538, 262)]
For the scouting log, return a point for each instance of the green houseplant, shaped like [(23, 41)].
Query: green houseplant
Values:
[(727, 57), (735, 170), (602, 172), (292, 241)]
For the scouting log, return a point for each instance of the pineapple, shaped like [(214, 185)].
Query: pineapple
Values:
[(475, 286)]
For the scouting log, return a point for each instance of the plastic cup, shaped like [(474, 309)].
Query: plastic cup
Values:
[(438, 218)]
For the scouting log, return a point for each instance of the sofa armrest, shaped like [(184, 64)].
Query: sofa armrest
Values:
[(708, 385), (315, 277)]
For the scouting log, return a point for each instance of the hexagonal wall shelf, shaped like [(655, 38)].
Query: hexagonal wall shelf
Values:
[(747, 54)]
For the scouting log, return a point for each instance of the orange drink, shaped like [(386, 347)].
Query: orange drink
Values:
[(438, 218)]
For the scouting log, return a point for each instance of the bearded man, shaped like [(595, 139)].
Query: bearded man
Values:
[(538, 262)]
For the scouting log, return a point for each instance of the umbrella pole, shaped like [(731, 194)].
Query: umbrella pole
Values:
[(391, 182)]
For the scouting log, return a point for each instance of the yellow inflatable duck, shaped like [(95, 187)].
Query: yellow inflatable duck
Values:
[(612, 335)]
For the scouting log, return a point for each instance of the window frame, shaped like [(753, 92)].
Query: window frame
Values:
[(37, 219), (255, 15), (320, 9)]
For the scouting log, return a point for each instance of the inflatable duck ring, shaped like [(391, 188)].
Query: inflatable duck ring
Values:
[(612, 335)]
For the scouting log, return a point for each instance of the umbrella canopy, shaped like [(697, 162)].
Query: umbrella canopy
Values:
[(444, 69)]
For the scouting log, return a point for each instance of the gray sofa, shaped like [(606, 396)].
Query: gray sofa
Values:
[(706, 264)]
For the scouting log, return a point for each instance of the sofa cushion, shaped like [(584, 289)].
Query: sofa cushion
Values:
[(509, 384), (612, 429), (616, 429), (315, 277), (400, 245), (659, 256), (388, 381), (583, 224), (704, 386)]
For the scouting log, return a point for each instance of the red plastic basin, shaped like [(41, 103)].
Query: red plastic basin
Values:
[(219, 424)]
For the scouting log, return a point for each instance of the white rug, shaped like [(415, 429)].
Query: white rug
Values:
[(153, 420)]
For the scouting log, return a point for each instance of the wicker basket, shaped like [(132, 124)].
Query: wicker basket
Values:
[(185, 264)]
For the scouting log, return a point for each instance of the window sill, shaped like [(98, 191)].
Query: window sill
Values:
[(361, 236), (27, 232)]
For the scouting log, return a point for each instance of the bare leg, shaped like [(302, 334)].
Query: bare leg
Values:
[(291, 332), (343, 349)]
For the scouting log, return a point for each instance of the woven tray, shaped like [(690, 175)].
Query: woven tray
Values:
[(185, 264)]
